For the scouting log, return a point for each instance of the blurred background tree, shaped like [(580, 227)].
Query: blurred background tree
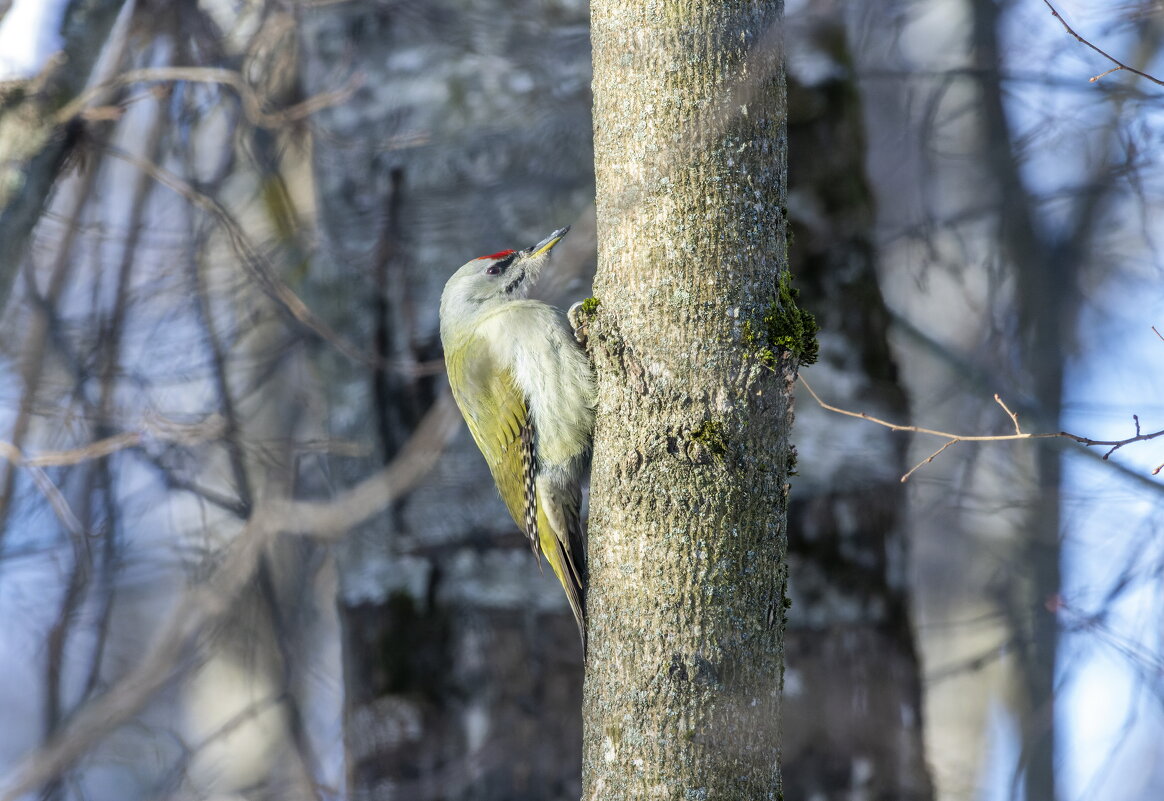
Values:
[(246, 549)]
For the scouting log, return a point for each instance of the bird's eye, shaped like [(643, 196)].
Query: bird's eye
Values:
[(494, 269)]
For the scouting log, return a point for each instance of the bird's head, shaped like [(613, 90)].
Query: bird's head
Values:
[(489, 281)]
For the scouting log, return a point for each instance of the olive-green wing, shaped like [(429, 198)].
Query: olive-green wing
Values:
[(498, 418)]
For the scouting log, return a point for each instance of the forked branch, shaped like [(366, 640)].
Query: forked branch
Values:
[(951, 438)]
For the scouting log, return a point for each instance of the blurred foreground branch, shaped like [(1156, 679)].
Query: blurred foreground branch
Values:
[(212, 600), (257, 265), (33, 145), (161, 430), (253, 104)]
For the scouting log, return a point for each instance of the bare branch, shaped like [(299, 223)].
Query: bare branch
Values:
[(215, 598), (258, 266), (203, 606), (955, 438), (971, 664), (1115, 444), (931, 431), (331, 519), (926, 460), (1119, 65), (1013, 417), (253, 105), (95, 450), (155, 428)]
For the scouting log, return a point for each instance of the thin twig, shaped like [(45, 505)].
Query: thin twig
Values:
[(1119, 65), (927, 460), (931, 431), (1103, 74), (1013, 417), (1115, 444), (955, 438)]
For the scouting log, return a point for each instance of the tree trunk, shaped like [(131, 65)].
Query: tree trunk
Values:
[(687, 523)]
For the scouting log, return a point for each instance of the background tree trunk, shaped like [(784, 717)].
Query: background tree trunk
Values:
[(687, 523), (852, 695), (1046, 268)]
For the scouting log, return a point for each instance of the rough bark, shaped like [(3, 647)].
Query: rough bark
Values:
[(852, 700), (687, 520)]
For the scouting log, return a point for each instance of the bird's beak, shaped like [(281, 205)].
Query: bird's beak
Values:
[(548, 243)]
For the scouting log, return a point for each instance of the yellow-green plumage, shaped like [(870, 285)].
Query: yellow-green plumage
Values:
[(496, 413), (527, 394)]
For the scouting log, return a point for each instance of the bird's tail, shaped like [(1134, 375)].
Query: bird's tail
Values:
[(563, 543)]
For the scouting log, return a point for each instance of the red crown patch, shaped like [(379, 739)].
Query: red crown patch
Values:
[(501, 254)]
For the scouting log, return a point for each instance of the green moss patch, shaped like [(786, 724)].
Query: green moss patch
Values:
[(710, 436), (784, 326)]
